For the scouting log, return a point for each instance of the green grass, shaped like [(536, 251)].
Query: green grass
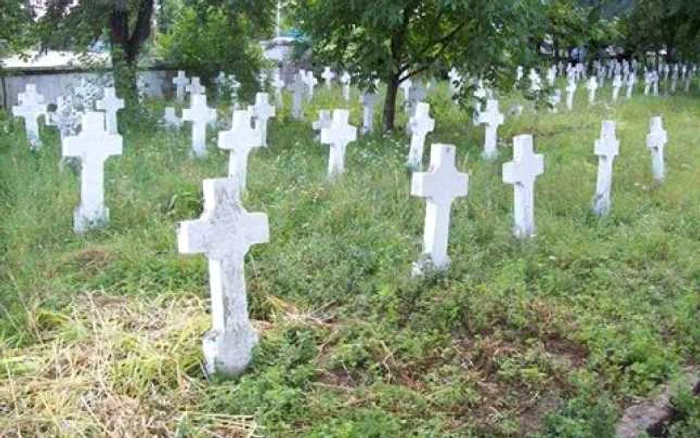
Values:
[(551, 337)]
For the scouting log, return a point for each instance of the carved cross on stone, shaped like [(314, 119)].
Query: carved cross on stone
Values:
[(181, 81)]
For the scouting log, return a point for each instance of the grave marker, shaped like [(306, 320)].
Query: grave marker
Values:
[(328, 76), (592, 86), (338, 135), (195, 87), (492, 119), (522, 173), (570, 92), (298, 90), (170, 118), (93, 146), (421, 125), (262, 112), (240, 140), (200, 115), (656, 142), (345, 79), (368, 100), (31, 107), (181, 81), (110, 104), (441, 185), (606, 148), (617, 84), (224, 234)]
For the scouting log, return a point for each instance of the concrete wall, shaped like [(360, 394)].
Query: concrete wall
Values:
[(53, 84)]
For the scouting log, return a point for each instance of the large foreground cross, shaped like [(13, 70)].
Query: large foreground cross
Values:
[(224, 234)]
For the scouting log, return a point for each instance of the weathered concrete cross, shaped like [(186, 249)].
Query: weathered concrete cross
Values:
[(492, 118), (224, 234), (110, 104), (421, 125), (656, 142), (338, 135), (93, 146), (239, 141), (200, 115), (31, 107), (606, 148)]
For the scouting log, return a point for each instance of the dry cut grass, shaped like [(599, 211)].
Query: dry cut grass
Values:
[(116, 367)]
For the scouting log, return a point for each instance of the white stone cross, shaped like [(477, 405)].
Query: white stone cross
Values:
[(421, 125), (554, 100), (328, 76), (298, 89), (110, 104), (338, 135), (278, 84), (262, 112), (570, 92), (592, 86), (224, 234), (656, 142), (631, 81), (239, 141), (311, 83), (170, 118), (522, 173), (492, 118), (648, 81), (200, 115), (655, 84), (368, 101), (406, 87), (195, 87), (345, 80), (441, 185), (606, 148), (31, 107), (94, 145), (181, 81), (617, 84)]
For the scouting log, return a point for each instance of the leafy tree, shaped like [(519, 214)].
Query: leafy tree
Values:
[(208, 37), (15, 21), (673, 25), (127, 24), (399, 39)]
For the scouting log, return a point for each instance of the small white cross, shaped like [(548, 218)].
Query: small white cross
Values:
[(522, 173), (421, 124), (631, 81), (617, 84), (328, 76), (441, 185), (368, 101), (30, 108), (195, 87), (278, 85), (224, 234), (262, 112), (110, 104), (345, 80), (94, 145), (180, 82), (406, 88), (200, 115), (656, 142), (607, 148), (570, 92), (311, 82), (592, 86), (492, 118), (298, 89), (338, 135), (239, 141)]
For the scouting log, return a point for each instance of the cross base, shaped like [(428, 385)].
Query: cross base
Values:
[(489, 154), (85, 220), (426, 265), (229, 353), (601, 205)]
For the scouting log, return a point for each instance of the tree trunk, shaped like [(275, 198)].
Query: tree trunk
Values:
[(389, 116), (127, 46)]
